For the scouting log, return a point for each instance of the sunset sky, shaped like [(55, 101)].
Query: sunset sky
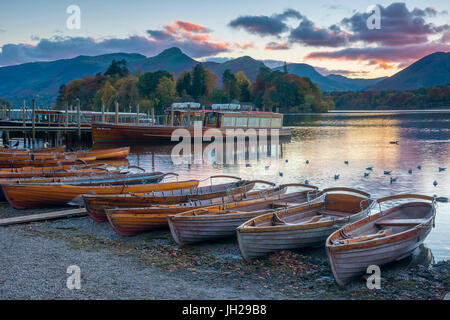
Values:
[(333, 37)]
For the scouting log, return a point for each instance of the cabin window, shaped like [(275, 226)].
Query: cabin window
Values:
[(241, 122), (265, 123), (253, 122), (229, 121), (276, 122), (211, 119)]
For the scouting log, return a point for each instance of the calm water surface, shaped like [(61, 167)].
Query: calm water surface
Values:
[(360, 138)]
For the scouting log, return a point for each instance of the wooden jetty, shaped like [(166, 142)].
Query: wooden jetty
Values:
[(43, 216)]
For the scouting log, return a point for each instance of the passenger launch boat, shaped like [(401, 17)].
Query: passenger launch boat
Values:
[(251, 123)]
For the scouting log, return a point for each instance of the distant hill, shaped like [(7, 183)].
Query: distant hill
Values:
[(28, 80), (432, 70), (172, 60), (331, 82), (25, 81), (246, 64)]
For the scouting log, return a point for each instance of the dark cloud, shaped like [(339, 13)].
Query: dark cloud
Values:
[(160, 35), (307, 33), (265, 25), (69, 47), (399, 26), (381, 55), (277, 46)]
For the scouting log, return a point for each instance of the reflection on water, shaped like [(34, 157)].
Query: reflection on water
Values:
[(326, 141)]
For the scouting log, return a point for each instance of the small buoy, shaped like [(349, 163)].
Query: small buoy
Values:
[(286, 160), (306, 182), (307, 161), (366, 174), (387, 172), (281, 174), (336, 176), (435, 183), (393, 180), (419, 167), (248, 165), (410, 171), (369, 168), (441, 169), (346, 162)]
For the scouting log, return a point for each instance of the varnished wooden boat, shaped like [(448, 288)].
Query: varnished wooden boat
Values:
[(96, 204), (213, 223), (130, 221), (380, 238), (105, 177), (49, 172), (46, 150), (47, 195), (100, 154), (302, 226), (43, 162)]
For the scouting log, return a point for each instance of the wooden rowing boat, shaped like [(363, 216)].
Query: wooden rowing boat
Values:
[(302, 226), (101, 154), (105, 177), (47, 195), (96, 204), (49, 172), (130, 221), (214, 223), (43, 162), (380, 238), (55, 149)]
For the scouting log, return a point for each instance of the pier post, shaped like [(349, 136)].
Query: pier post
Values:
[(153, 115), (33, 121), (189, 115), (171, 115), (66, 120), (137, 113), (103, 112), (116, 120), (79, 119)]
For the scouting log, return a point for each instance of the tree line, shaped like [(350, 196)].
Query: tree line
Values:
[(423, 98), (271, 91)]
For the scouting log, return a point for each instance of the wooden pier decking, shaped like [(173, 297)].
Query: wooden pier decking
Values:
[(43, 216)]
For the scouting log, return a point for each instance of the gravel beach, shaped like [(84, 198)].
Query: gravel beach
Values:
[(34, 259)]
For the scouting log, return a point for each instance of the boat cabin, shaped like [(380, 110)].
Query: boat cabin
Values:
[(225, 118)]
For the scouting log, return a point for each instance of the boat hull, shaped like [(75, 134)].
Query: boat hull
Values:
[(41, 196), (123, 133), (190, 229), (348, 264)]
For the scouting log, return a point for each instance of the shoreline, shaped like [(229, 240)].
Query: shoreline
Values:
[(152, 266)]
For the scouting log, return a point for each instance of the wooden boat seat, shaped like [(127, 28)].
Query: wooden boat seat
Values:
[(281, 204), (379, 234), (400, 222), (315, 219), (335, 213)]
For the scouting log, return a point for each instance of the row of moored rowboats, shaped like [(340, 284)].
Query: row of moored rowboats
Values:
[(355, 233)]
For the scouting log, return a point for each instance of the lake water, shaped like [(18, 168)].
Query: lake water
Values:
[(362, 139)]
